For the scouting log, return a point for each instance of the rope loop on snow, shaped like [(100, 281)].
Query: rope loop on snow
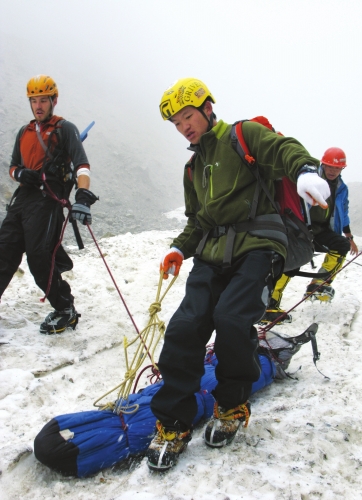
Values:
[(143, 345)]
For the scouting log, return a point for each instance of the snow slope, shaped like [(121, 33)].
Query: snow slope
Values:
[(304, 440)]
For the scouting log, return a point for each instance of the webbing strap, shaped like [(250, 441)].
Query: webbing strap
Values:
[(242, 149), (228, 254), (230, 232), (42, 143), (202, 243), (305, 274)]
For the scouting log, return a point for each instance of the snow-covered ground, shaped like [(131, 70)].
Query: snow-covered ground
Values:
[(304, 440)]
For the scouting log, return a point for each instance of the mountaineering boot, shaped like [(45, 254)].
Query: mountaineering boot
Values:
[(282, 349), (274, 312), (324, 293), (166, 446), (58, 321), (224, 424), (331, 264)]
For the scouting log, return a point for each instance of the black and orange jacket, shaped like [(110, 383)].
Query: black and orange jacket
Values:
[(29, 153)]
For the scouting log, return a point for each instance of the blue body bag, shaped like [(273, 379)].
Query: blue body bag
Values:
[(81, 444)]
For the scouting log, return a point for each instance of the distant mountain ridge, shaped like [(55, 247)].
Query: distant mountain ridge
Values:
[(134, 170)]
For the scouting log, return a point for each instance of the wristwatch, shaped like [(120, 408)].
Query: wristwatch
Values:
[(308, 169), (349, 238)]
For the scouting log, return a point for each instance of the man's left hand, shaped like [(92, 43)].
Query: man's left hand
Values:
[(354, 248), (313, 189), (81, 208)]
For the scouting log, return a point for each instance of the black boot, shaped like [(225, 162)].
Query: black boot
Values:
[(58, 321)]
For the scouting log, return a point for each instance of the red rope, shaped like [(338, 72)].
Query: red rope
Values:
[(154, 377), (65, 204), (114, 282)]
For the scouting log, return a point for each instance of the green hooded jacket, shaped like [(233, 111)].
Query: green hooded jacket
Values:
[(222, 188)]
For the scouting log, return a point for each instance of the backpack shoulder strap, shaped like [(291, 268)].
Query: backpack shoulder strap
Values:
[(239, 143), (22, 130), (190, 167), (58, 130), (240, 146), (20, 135)]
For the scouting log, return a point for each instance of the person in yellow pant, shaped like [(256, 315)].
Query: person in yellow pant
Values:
[(327, 226)]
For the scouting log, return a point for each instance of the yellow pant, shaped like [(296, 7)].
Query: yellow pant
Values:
[(332, 263), (278, 291)]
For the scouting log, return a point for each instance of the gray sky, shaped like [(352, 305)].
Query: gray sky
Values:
[(297, 62)]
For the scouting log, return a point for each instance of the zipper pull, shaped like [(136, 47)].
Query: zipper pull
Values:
[(211, 187), (205, 176)]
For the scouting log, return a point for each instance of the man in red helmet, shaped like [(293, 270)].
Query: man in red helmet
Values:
[(327, 226), (46, 148)]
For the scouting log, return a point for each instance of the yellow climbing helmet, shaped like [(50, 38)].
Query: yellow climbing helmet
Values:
[(185, 92), (41, 85)]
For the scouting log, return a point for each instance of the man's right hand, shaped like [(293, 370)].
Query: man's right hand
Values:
[(27, 176), (171, 262)]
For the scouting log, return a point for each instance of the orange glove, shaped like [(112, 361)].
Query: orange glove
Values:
[(171, 262)]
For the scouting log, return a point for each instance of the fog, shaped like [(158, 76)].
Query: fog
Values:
[(298, 63)]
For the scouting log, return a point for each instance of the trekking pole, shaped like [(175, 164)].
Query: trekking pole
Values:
[(114, 282), (263, 329), (309, 224)]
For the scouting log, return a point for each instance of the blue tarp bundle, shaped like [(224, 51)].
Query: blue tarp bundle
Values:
[(81, 444)]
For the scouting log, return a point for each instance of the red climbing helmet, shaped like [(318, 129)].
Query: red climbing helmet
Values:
[(334, 157)]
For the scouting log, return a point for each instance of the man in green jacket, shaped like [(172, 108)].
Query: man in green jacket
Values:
[(229, 287)]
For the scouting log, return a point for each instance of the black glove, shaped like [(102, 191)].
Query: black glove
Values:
[(27, 176), (80, 209)]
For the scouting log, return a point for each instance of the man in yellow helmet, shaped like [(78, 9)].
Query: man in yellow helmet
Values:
[(41, 164), (219, 190)]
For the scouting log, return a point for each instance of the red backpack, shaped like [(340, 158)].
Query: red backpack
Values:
[(286, 194)]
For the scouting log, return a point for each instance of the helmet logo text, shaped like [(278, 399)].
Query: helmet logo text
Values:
[(200, 93)]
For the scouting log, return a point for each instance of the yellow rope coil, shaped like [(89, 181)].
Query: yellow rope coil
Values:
[(145, 343)]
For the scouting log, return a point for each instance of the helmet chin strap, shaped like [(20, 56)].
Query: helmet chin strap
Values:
[(210, 120), (52, 108)]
